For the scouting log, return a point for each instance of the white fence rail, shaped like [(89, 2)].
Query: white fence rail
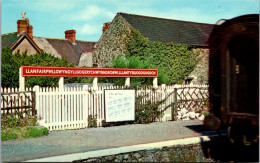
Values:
[(62, 109), (70, 108)]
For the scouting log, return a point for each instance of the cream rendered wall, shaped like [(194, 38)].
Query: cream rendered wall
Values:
[(23, 46)]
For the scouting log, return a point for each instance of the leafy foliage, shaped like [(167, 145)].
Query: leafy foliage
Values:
[(92, 121), (12, 62), (18, 119), (146, 113), (121, 61), (35, 131), (20, 125), (176, 60), (23, 132)]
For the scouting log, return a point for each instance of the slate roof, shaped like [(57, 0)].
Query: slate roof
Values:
[(57, 47), (70, 51), (167, 30), (9, 39)]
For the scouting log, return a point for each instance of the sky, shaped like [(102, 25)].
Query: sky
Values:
[(51, 18)]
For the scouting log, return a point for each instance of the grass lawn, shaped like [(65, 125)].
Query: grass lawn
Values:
[(23, 132)]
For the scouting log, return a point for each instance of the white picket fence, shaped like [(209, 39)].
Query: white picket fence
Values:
[(62, 109), (70, 108)]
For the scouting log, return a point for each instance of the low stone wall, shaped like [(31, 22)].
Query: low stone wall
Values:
[(179, 153)]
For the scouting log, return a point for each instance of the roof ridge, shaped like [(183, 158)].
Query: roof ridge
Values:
[(51, 38), (165, 18), (8, 33), (61, 38), (86, 41)]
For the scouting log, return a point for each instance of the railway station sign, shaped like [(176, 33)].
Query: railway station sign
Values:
[(86, 72), (62, 72)]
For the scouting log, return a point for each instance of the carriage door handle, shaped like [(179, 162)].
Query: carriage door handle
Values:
[(237, 69)]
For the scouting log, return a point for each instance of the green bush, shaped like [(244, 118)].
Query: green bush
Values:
[(36, 131), (92, 121), (148, 112), (8, 135), (135, 62), (20, 125), (18, 119), (23, 132)]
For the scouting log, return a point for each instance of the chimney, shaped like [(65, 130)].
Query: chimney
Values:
[(21, 26), (24, 26), (30, 30), (71, 35), (105, 26)]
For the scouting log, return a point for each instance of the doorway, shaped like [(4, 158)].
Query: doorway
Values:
[(244, 75)]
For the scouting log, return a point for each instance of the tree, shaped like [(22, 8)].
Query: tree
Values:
[(12, 62), (121, 61)]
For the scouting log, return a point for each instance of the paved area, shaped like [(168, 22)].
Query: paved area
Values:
[(92, 139)]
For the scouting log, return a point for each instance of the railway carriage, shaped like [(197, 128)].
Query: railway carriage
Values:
[(234, 78)]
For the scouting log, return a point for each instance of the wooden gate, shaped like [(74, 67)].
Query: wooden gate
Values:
[(18, 102), (190, 97)]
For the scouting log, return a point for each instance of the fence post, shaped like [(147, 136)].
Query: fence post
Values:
[(85, 104), (164, 104), (61, 101), (95, 83), (155, 83), (61, 83), (127, 82), (21, 81), (174, 108), (36, 90)]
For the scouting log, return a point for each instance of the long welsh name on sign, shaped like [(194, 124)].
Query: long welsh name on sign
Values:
[(119, 105), (87, 72)]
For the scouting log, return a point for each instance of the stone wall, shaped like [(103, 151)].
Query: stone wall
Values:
[(112, 42), (86, 60), (180, 153), (200, 73)]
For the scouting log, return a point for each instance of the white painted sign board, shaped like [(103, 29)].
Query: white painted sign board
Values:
[(120, 105)]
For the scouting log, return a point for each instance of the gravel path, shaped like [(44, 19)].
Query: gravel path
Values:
[(89, 139)]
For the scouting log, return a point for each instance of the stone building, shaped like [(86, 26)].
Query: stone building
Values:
[(113, 40), (76, 51)]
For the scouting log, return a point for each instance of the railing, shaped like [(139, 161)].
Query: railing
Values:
[(14, 101), (190, 97), (70, 108)]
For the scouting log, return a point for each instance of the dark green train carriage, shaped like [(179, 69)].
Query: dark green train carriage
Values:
[(234, 77)]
